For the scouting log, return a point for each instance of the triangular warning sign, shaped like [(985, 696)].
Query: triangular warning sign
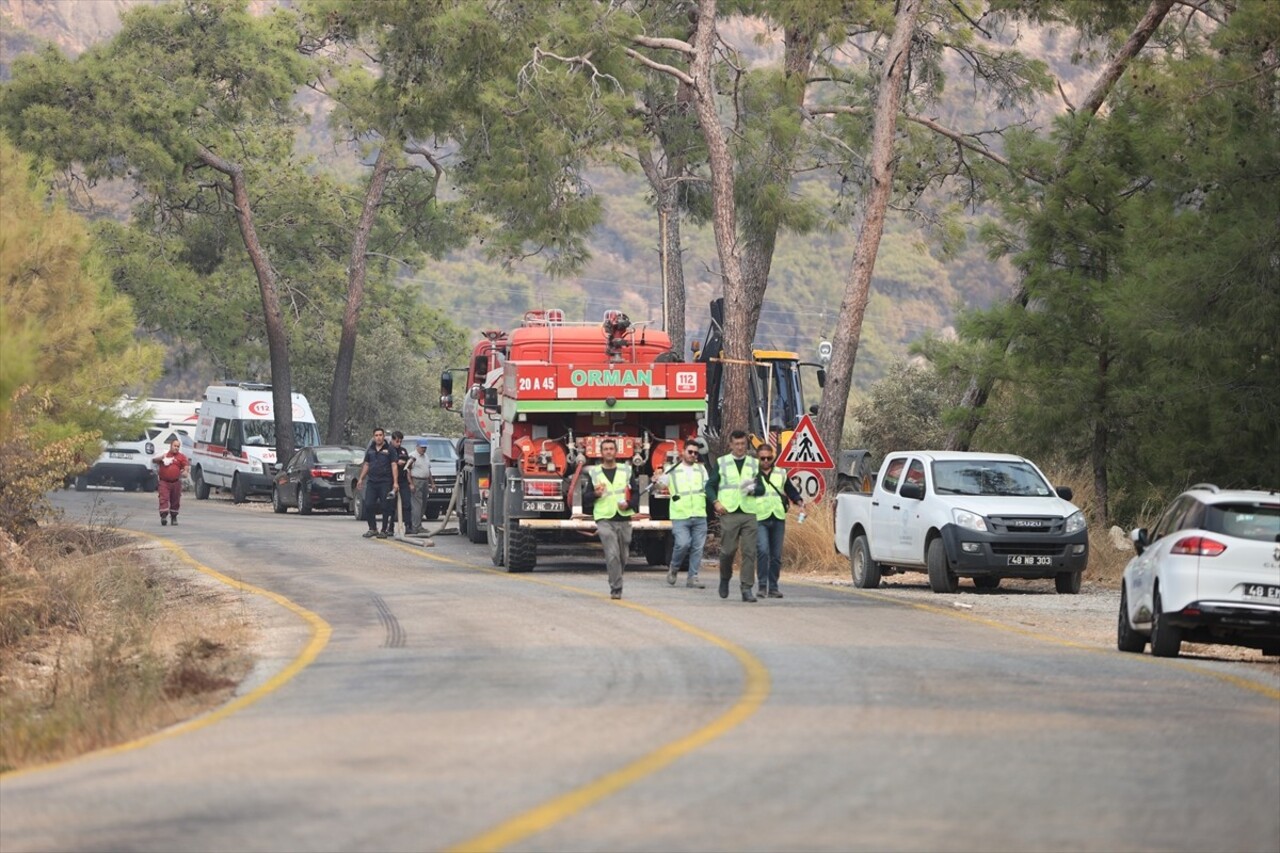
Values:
[(805, 449)]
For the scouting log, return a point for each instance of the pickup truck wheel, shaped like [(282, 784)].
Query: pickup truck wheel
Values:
[(151, 484), (865, 571), (1127, 639), (987, 581), (238, 492), (1166, 639), (82, 483), (202, 488), (431, 512), (522, 548), (941, 578), (276, 502), (1067, 583)]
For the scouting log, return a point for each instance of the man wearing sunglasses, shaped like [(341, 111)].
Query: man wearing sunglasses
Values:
[(771, 521), (687, 485)]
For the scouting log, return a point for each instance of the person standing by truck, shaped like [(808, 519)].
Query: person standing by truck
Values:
[(687, 485), (402, 482), (733, 488), (771, 521), (173, 466), (422, 484), (617, 499), (378, 476)]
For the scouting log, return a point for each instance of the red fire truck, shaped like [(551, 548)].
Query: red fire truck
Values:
[(539, 400)]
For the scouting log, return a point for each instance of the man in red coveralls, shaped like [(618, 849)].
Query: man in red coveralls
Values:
[(173, 467)]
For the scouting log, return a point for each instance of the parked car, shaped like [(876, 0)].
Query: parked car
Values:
[(313, 478), (443, 452), (1208, 572), (127, 462)]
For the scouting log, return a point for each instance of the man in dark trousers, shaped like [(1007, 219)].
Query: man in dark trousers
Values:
[(617, 494), (402, 481), (378, 476), (173, 466), (732, 489), (771, 521)]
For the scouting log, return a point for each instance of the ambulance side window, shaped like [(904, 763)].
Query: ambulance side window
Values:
[(222, 434)]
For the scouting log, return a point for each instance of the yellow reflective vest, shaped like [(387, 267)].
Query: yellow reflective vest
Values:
[(770, 504), (731, 479), (614, 491), (688, 483)]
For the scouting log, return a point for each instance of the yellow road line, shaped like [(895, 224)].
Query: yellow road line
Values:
[(540, 818), (1186, 666), (320, 632)]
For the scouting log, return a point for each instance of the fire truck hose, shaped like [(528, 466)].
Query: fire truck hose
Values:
[(573, 483), (450, 510)]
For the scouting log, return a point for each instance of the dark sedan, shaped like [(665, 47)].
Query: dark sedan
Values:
[(313, 478)]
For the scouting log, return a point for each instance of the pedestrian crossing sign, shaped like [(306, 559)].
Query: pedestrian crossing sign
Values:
[(805, 449)]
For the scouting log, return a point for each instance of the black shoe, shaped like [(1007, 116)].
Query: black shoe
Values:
[(748, 595), (174, 521), (773, 593), (369, 534), (724, 587), (164, 520), (384, 535), (615, 594)]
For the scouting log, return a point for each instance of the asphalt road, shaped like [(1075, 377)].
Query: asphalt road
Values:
[(419, 700)]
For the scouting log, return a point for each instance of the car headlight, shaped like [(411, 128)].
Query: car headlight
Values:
[(969, 520), (1075, 522)]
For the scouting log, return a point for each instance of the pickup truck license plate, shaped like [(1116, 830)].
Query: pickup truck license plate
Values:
[(1029, 560), (1264, 591)]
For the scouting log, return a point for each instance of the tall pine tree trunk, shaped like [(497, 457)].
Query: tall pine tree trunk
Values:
[(857, 291), (356, 272), (273, 316)]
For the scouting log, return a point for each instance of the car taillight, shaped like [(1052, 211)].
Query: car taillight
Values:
[(1198, 546), (322, 474), (542, 488)]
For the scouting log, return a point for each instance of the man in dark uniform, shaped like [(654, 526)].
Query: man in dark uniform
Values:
[(378, 476), (405, 487)]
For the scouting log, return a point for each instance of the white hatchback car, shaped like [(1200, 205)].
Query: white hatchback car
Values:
[(1208, 572)]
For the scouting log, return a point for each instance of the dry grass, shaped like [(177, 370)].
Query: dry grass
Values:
[(101, 642)]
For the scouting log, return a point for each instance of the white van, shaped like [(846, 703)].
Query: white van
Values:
[(126, 461), (236, 439)]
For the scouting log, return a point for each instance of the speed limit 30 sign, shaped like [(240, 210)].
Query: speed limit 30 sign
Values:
[(810, 484)]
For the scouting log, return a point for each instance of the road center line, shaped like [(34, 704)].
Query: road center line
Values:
[(755, 691)]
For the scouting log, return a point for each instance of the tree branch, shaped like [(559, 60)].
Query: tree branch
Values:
[(1155, 13), (658, 66)]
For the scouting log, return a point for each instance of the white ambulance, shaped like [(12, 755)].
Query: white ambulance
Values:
[(236, 439)]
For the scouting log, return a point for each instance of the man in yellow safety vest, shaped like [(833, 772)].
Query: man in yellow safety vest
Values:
[(687, 486), (617, 499), (733, 487)]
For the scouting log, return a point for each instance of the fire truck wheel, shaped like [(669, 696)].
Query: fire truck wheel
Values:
[(475, 530), (496, 552), (658, 549), (522, 548)]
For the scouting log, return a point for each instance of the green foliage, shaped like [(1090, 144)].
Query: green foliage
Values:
[(904, 410), (1149, 342), (69, 347)]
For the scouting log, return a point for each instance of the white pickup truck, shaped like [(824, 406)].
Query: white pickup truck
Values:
[(985, 516)]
